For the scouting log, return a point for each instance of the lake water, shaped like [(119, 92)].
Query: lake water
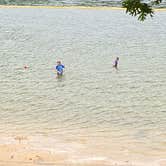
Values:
[(93, 109)]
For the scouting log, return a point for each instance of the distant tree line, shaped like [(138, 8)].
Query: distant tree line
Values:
[(23, 2)]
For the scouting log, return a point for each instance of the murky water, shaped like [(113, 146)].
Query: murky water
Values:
[(108, 112)]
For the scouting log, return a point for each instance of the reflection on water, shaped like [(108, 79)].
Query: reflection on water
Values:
[(60, 78), (116, 112)]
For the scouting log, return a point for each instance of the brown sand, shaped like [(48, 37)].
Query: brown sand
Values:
[(22, 153), (162, 163)]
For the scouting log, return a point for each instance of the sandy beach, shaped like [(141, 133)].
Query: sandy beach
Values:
[(63, 7), (74, 7), (19, 150)]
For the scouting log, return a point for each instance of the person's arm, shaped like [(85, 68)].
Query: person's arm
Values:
[(63, 66), (56, 68)]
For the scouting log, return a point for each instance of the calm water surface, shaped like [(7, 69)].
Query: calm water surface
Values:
[(104, 111)]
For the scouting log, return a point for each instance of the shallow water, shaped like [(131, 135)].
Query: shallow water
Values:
[(93, 107)]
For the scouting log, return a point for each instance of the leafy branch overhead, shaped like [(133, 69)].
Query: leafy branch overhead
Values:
[(140, 8)]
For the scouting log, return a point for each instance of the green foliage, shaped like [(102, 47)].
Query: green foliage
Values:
[(156, 2), (24, 2), (3, 2), (140, 8)]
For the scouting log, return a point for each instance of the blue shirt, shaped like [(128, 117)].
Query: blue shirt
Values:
[(60, 68)]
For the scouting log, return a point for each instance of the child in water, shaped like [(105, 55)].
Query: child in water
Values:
[(59, 68), (116, 63)]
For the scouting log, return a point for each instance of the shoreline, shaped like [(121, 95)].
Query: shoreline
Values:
[(33, 151), (72, 7), (62, 7)]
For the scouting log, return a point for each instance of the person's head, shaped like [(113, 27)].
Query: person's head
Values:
[(25, 67), (58, 62), (117, 58)]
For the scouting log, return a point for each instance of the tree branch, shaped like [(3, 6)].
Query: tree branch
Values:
[(140, 8)]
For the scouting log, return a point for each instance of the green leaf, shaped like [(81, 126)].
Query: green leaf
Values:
[(139, 8)]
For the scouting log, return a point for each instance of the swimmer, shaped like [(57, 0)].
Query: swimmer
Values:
[(26, 67), (116, 63), (59, 68)]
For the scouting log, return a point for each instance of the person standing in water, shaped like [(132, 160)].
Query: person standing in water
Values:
[(59, 68), (116, 63)]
